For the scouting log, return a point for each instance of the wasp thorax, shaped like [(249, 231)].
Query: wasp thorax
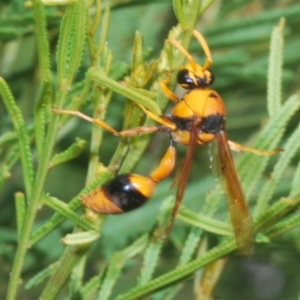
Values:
[(190, 80)]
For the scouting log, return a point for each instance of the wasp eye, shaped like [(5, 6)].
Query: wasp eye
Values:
[(185, 80)]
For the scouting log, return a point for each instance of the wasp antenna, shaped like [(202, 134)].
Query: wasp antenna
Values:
[(184, 52), (205, 48)]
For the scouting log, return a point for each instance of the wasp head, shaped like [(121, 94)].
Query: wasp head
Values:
[(190, 79)]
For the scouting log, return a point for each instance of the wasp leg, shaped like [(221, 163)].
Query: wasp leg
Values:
[(168, 93), (166, 123), (240, 148), (126, 192), (124, 133)]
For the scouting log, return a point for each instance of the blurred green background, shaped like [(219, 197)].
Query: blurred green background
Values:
[(238, 33)]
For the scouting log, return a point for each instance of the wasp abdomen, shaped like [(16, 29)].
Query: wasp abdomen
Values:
[(123, 193)]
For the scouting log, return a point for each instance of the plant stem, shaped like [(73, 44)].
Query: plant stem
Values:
[(69, 259), (33, 205)]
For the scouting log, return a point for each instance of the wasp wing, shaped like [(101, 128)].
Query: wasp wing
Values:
[(183, 174), (239, 212)]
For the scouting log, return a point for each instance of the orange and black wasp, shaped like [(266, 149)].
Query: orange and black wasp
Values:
[(198, 118)]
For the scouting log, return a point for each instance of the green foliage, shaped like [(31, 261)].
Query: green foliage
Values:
[(92, 58)]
